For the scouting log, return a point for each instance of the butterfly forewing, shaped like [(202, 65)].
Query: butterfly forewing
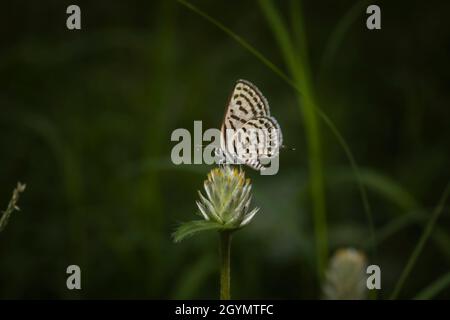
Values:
[(246, 103)]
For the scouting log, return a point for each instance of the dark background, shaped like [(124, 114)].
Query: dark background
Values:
[(86, 118)]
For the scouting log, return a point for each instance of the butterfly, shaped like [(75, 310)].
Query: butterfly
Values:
[(249, 134)]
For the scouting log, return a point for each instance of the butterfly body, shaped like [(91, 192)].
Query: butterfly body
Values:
[(249, 133)]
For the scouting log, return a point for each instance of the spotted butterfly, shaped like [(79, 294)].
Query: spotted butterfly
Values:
[(248, 133)]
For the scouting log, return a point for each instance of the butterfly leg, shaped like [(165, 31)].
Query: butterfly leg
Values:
[(220, 156)]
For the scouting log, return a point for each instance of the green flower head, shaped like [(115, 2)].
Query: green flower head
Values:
[(228, 197), (225, 204)]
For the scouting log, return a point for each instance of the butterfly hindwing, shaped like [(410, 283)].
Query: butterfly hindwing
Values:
[(258, 138), (265, 134)]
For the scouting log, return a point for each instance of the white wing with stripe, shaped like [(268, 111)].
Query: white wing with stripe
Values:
[(248, 132)]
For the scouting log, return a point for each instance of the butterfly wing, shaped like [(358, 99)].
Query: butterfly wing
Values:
[(248, 131), (257, 139), (246, 102)]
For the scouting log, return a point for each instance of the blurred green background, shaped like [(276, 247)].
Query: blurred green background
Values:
[(86, 119)]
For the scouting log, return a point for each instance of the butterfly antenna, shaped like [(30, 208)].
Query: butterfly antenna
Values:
[(289, 148)]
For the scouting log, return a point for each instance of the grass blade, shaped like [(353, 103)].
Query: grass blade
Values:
[(339, 31), (433, 289), (12, 206), (240, 41), (419, 247), (190, 228), (298, 66)]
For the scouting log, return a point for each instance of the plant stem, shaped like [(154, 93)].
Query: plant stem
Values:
[(225, 248)]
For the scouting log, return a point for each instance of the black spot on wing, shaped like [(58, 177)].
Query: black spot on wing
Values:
[(241, 108), (252, 106), (237, 118), (250, 89)]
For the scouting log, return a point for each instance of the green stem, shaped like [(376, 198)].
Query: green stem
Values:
[(225, 248)]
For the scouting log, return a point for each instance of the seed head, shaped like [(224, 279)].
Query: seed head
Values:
[(346, 276)]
